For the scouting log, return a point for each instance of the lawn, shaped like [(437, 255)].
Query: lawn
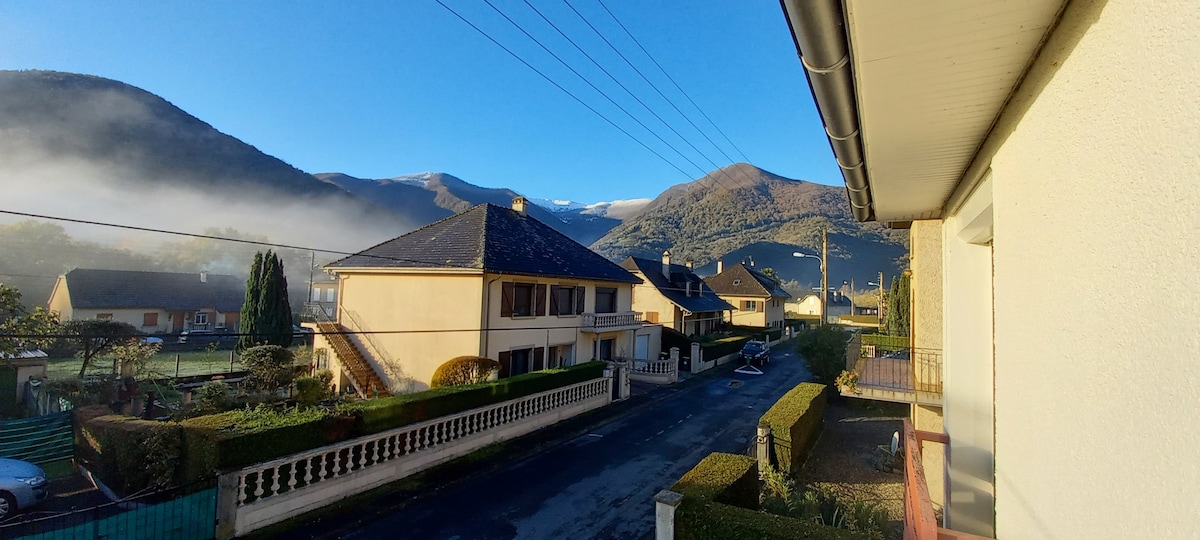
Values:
[(162, 365)]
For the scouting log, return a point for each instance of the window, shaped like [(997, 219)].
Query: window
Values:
[(566, 300), (104, 316), (606, 300), (749, 305), (606, 349), (316, 295), (522, 300), (201, 318), (560, 355), (329, 294), (519, 361), (150, 319), (737, 282)]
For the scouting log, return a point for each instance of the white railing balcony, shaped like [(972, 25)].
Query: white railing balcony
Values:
[(611, 322)]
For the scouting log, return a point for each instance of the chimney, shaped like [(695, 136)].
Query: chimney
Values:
[(720, 266), (519, 205), (667, 263), (203, 276)]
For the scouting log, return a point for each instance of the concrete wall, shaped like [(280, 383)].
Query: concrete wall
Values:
[(925, 241), (1096, 204)]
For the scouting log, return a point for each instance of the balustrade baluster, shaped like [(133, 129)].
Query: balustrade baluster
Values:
[(308, 467), (408, 441), (241, 498), (291, 484), (321, 472)]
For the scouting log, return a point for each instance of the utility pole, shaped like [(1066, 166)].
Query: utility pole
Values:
[(824, 275), (312, 264), (880, 310)]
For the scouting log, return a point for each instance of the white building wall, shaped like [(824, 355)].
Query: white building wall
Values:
[(1096, 299)]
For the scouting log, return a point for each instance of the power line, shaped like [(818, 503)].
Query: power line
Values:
[(668, 75), (564, 90), (627, 91), (592, 85)]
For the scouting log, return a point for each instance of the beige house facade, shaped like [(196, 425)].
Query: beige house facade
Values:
[(490, 281), (152, 302), (757, 300), (1041, 154)]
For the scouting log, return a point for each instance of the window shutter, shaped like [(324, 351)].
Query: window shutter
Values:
[(554, 299), (539, 302), (652, 317), (506, 299), (579, 299), (505, 363), (539, 358), (762, 306)]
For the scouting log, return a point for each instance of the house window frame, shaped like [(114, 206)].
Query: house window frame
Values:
[(749, 305), (196, 318), (150, 318), (518, 292), (606, 291), (574, 300)]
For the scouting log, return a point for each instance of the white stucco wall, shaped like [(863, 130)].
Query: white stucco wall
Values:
[(968, 363), (1096, 297)]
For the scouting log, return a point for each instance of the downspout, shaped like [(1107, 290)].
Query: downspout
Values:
[(818, 31), (487, 313)]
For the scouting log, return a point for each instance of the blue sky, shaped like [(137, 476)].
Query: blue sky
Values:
[(378, 89)]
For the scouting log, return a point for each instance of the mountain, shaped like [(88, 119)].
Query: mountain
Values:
[(741, 212), (427, 197)]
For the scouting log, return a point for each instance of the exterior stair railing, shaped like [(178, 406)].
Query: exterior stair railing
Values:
[(363, 378)]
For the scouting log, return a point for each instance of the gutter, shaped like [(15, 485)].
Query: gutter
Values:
[(818, 30)]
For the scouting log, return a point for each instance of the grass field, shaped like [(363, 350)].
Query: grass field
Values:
[(162, 365)]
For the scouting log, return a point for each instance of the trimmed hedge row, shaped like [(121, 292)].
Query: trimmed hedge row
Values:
[(703, 519), (720, 500), (723, 347), (724, 478), (795, 421), (119, 447), (382, 414)]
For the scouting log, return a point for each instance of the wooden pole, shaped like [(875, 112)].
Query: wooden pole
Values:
[(176, 365), (231, 360)]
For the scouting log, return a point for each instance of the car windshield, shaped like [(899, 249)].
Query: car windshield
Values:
[(753, 347)]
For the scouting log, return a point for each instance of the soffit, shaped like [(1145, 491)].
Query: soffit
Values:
[(931, 77)]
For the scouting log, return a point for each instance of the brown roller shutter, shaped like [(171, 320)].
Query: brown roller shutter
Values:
[(506, 299), (762, 306), (539, 358), (579, 299), (539, 302), (505, 363), (554, 300)]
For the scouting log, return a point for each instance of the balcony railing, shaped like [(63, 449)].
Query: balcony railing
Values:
[(888, 369), (920, 520), (610, 322)]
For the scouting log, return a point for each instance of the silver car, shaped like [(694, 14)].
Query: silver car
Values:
[(22, 484)]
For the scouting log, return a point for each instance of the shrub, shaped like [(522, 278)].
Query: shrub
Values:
[(213, 397), (270, 367), (311, 390), (795, 420), (464, 370), (824, 351), (252, 435), (130, 455)]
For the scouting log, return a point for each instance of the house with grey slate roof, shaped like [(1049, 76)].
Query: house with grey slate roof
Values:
[(758, 300), (153, 302), (490, 281), (675, 297)]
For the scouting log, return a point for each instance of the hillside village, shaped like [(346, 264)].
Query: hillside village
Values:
[(742, 356)]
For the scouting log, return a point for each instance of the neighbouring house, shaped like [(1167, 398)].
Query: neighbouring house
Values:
[(153, 302), (489, 281), (837, 303), (675, 297), (322, 293), (757, 299), (1041, 155)]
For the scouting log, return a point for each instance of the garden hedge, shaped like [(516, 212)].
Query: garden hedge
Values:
[(720, 500), (129, 454), (724, 478), (795, 421), (382, 414), (244, 437), (723, 347)]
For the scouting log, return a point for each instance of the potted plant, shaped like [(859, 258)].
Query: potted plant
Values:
[(847, 382)]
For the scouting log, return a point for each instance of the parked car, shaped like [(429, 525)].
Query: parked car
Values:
[(152, 340), (22, 484), (204, 337), (756, 352)]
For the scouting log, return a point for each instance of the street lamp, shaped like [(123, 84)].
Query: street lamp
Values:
[(824, 281)]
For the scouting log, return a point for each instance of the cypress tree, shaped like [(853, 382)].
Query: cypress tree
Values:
[(276, 322), (248, 326)]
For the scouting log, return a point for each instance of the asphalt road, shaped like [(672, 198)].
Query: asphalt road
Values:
[(601, 484)]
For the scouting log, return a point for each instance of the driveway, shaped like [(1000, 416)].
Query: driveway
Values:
[(598, 485)]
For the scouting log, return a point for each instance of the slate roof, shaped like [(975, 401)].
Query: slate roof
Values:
[(675, 289), (741, 280), (493, 239), (118, 289), (832, 299)]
